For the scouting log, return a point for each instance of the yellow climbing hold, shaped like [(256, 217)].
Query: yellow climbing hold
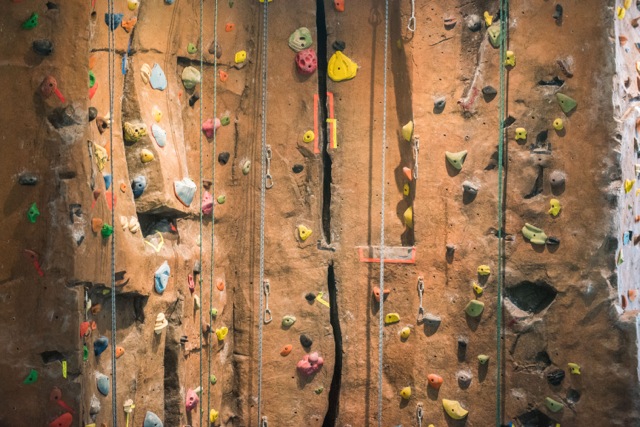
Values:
[(484, 270), (221, 333), (574, 368), (407, 131), (390, 318), (627, 4), (405, 332), (308, 136), (405, 189), (156, 113), (406, 393), (628, 185), (555, 207), (146, 156), (453, 409), (488, 19), (213, 416), (510, 59), (133, 4), (304, 232), (521, 133), (240, 56), (408, 217), (477, 289), (621, 12), (558, 124), (341, 68)]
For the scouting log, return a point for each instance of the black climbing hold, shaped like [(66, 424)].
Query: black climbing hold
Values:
[(462, 348), (62, 117), (339, 45), (541, 137), (52, 6), (197, 267), (215, 49), (439, 104), (27, 179), (223, 158), (184, 339), (532, 297), (489, 90), (555, 377), (451, 249), (305, 341), (573, 396), (297, 168), (310, 297), (509, 121), (556, 81), (558, 13), (553, 241), (42, 47), (194, 98), (93, 113)]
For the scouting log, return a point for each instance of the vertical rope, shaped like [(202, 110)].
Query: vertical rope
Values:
[(201, 194), (265, 28), (504, 19), (111, 79), (382, 207)]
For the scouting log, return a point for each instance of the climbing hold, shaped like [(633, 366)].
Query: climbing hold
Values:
[(49, 86), (156, 113), (214, 312), (207, 203), (464, 379), (193, 99), (223, 158), (119, 352), (96, 224), (305, 341), (288, 320), (246, 167), (338, 5), (159, 135), (306, 61), (240, 57), (474, 308), (434, 381), (534, 234), (102, 382), (27, 179), (390, 318), (146, 156), (221, 333), (633, 294), (196, 302), (408, 217), (408, 173), (488, 19), (557, 179), (453, 409), (225, 120), (185, 190), (128, 24), (42, 47), (628, 185), (557, 15), (31, 378), (553, 405), (100, 345), (157, 78), (406, 393), (107, 181), (304, 232), (558, 124), (483, 359), (161, 323), (341, 68), (64, 420), (229, 26), (30, 23), (407, 131), (191, 48), (474, 23), (113, 20), (555, 377), (145, 73), (84, 328), (209, 126), (190, 77), (521, 133), (93, 113), (510, 59), (33, 213), (213, 380), (133, 4), (406, 189), (477, 289), (106, 231), (621, 12), (555, 207), (489, 92), (221, 199), (133, 132), (439, 104), (310, 364), (456, 159), (286, 350), (213, 416), (574, 368), (308, 136), (405, 332), (192, 400), (161, 277), (470, 188), (494, 35), (300, 39), (152, 420), (566, 103), (138, 185)]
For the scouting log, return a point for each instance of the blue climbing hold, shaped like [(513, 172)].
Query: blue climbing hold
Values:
[(102, 381), (152, 420), (157, 79), (100, 345), (159, 134), (113, 20), (185, 190), (161, 277), (107, 181), (138, 185), (169, 1)]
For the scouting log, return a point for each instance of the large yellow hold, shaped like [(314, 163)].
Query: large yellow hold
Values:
[(341, 67), (408, 217), (453, 409)]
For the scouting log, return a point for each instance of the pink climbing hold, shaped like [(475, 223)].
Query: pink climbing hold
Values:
[(192, 400), (49, 86), (207, 203), (310, 364), (307, 61), (210, 126), (56, 397), (191, 283), (64, 420)]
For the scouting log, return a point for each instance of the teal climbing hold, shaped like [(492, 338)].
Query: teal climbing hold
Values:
[(161, 277), (108, 179), (157, 79), (113, 20), (102, 381), (32, 377), (474, 308), (566, 103), (32, 22), (33, 213), (152, 420)]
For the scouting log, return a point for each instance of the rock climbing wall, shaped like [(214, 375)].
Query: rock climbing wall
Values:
[(184, 144)]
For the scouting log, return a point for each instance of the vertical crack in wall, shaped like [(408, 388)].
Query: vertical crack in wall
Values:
[(336, 380)]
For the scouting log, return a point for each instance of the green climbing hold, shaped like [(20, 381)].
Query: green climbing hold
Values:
[(30, 23), (106, 231), (474, 308), (553, 405), (494, 35), (288, 320), (33, 213), (92, 79), (456, 159), (31, 378), (319, 390), (191, 48), (85, 353), (483, 359), (225, 120), (213, 379), (534, 234), (566, 103)]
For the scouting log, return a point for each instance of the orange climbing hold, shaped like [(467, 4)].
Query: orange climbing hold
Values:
[(633, 294), (376, 293), (128, 24), (339, 5), (230, 26), (435, 380), (220, 285), (94, 325), (96, 308), (286, 350), (407, 172), (223, 76), (123, 187), (119, 352), (64, 420), (96, 224), (92, 61), (84, 328)]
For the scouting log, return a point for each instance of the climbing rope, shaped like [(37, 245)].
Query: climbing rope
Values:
[(419, 414), (504, 19), (382, 202), (213, 186), (201, 193), (411, 26), (111, 79), (263, 184)]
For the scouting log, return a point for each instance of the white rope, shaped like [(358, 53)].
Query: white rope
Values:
[(412, 21), (263, 183), (419, 414), (201, 194), (382, 203)]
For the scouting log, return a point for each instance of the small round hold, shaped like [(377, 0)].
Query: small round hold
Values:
[(464, 379), (306, 341), (557, 179), (223, 158), (558, 124), (246, 167), (439, 104), (474, 22), (552, 241), (308, 136), (310, 297), (339, 45), (93, 113), (297, 168)]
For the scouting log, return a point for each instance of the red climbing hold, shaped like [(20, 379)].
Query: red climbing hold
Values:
[(307, 61), (339, 5), (64, 420), (33, 257), (92, 90), (49, 86), (191, 283), (84, 328)]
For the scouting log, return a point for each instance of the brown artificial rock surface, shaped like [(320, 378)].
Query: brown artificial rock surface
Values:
[(581, 323)]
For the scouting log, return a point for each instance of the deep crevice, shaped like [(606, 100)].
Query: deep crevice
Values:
[(334, 392), (321, 26)]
